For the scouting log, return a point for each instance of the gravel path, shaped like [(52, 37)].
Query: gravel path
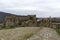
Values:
[(45, 34)]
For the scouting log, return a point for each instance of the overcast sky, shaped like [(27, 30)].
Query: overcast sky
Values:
[(46, 7)]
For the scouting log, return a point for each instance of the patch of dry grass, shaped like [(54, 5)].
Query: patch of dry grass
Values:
[(18, 33)]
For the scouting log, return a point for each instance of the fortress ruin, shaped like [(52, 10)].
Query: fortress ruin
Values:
[(29, 20)]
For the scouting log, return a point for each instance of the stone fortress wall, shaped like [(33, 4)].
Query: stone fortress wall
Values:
[(29, 20)]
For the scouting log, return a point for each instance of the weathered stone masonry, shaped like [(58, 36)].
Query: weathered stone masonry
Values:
[(29, 20)]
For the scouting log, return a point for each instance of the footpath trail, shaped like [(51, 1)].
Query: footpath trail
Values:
[(45, 34)]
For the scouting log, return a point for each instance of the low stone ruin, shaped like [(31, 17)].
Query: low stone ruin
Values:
[(29, 20)]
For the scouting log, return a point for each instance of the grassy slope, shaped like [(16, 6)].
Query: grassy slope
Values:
[(21, 33)]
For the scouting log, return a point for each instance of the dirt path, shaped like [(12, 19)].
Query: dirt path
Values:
[(45, 34)]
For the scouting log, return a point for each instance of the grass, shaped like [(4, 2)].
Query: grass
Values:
[(58, 31), (28, 36), (20, 33), (1, 28)]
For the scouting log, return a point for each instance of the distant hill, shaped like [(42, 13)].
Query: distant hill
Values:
[(3, 14)]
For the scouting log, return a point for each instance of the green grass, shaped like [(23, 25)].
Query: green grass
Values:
[(27, 36), (58, 31), (7, 28)]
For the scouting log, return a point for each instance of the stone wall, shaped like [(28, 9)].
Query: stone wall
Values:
[(11, 21), (29, 20)]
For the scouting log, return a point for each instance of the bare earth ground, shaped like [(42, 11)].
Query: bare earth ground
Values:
[(45, 34), (17, 33)]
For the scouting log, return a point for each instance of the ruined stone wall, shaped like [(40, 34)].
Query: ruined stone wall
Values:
[(26, 21), (29, 20), (11, 21), (45, 22), (33, 20)]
